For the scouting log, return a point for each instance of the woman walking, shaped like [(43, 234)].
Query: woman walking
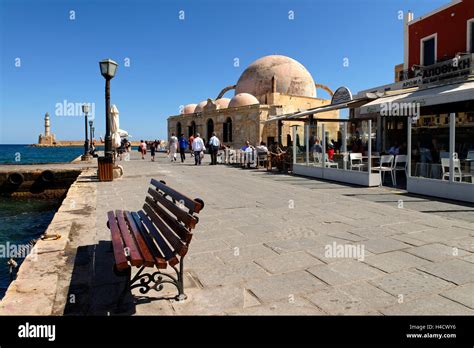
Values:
[(142, 148)]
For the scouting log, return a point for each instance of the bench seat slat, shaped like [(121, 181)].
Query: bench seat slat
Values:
[(121, 261), (142, 247), (183, 216), (191, 204), (169, 255), (171, 221), (172, 239), (158, 256), (135, 255)]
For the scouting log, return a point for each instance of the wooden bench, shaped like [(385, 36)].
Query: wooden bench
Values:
[(156, 236)]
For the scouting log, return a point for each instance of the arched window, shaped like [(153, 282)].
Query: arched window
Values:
[(288, 140), (227, 136), (192, 129), (210, 128), (178, 129)]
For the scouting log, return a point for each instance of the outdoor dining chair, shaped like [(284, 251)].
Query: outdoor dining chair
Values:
[(356, 161), (386, 165), (401, 163), (458, 174)]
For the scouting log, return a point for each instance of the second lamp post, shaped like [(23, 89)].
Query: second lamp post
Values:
[(108, 68), (86, 156)]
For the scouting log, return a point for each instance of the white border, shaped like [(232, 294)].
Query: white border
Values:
[(469, 35), (426, 38)]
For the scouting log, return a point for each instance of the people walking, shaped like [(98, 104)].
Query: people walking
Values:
[(153, 146), (142, 148), (183, 145), (214, 144), (198, 147), (191, 139), (173, 147)]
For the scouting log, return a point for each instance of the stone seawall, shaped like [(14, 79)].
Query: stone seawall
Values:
[(42, 282), (38, 183)]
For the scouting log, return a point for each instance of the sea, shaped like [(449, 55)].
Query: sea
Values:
[(25, 154), (24, 220)]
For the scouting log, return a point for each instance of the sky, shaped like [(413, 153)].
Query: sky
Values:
[(172, 53)]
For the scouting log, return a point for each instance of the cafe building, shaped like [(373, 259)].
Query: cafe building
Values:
[(430, 107), (419, 129)]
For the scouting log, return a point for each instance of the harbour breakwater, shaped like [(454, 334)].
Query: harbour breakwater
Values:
[(36, 182)]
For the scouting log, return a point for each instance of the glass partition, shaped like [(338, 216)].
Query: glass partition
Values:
[(464, 148), (430, 147)]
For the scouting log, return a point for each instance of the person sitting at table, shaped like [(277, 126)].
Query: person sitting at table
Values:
[(394, 149), (330, 151), (262, 148)]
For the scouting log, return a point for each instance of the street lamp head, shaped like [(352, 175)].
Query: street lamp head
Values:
[(90, 123), (108, 68), (85, 108)]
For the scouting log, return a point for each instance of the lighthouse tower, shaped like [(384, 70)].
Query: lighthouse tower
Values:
[(47, 139)]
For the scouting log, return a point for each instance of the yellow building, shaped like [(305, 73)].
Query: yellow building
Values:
[(270, 86)]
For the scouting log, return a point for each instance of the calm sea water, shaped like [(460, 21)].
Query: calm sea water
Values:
[(21, 220), (25, 154)]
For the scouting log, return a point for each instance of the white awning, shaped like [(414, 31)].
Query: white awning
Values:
[(426, 97), (317, 110)]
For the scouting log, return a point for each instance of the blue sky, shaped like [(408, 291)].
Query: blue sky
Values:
[(175, 62)]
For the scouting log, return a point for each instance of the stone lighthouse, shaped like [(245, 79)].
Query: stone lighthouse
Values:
[(47, 138)]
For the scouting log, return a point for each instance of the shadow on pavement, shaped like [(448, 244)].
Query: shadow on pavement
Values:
[(95, 289)]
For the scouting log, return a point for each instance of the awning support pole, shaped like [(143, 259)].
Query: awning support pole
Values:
[(409, 122), (279, 131), (306, 138), (452, 139), (369, 149)]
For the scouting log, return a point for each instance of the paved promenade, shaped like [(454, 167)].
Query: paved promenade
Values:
[(270, 244), (260, 246)]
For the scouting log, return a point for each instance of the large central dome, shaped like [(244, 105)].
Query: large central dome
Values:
[(291, 77)]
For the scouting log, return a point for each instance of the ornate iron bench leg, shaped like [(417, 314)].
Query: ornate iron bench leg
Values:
[(155, 281)]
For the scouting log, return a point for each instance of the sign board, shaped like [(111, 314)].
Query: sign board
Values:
[(447, 70), (342, 95)]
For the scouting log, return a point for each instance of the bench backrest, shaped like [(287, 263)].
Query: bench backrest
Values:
[(167, 220)]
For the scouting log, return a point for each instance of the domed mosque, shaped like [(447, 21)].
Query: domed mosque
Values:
[(270, 86)]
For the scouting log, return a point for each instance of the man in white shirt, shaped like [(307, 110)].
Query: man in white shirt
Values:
[(214, 144), (198, 146), (173, 147)]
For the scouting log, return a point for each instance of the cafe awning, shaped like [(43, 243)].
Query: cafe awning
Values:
[(446, 94), (320, 109)]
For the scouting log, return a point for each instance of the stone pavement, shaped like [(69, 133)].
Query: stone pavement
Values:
[(265, 244), (263, 241)]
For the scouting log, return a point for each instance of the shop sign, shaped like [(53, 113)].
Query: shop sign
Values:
[(342, 95)]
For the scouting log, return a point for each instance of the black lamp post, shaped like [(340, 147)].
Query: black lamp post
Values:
[(90, 133), (108, 68), (93, 132), (85, 110)]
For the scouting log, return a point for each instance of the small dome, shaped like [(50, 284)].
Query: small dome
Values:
[(242, 99), (222, 103), (200, 106), (188, 109)]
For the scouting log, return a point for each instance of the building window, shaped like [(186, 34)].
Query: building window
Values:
[(428, 50), (178, 129), (227, 136), (470, 36), (210, 128), (192, 129)]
